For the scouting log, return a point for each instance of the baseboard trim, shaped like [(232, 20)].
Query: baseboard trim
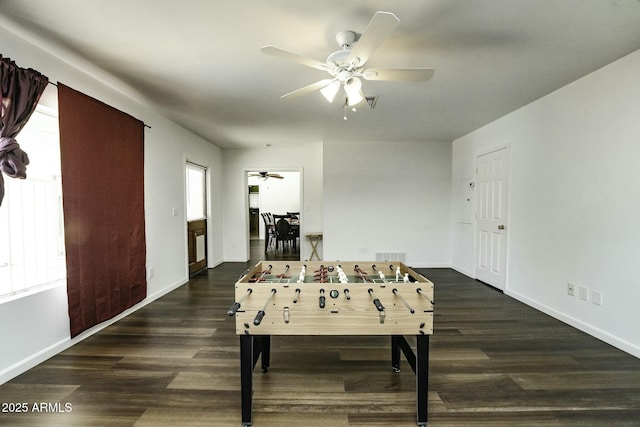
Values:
[(585, 327), (215, 263), (425, 265), (34, 360), (24, 365), (461, 270)]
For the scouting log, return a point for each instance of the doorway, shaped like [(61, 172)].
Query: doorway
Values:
[(272, 196), (196, 188), (492, 184)]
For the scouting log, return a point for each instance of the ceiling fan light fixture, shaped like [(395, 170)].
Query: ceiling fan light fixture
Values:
[(346, 66), (351, 101), (330, 91), (353, 89)]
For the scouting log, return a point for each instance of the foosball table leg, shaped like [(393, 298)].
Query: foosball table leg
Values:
[(246, 377), (419, 362), (395, 353), (265, 348), (422, 377), (251, 347)]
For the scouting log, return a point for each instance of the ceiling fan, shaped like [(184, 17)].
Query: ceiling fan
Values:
[(266, 175), (346, 66)]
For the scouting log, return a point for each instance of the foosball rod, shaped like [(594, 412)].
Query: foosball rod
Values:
[(406, 304), (283, 275), (236, 305), (376, 301), (376, 268), (378, 305), (381, 275), (261, 313), (419, 290), (303, 271), (361, 274), (286, 269), (263, 273)]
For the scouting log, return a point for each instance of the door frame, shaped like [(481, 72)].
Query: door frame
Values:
[(247, 235), (476, 230), (207, 207)]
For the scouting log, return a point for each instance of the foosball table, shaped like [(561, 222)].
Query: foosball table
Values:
[(339, 298)]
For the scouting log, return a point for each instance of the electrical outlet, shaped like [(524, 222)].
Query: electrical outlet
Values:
[(583, 293), (596, 298), (571, 289)]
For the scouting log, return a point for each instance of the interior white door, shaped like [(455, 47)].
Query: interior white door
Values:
[(491, 214)]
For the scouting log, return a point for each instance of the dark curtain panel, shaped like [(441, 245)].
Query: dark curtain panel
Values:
[(21, 91), (102, 157)]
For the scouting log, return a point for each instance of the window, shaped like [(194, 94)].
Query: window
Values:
[(31, 220), (196, 192)]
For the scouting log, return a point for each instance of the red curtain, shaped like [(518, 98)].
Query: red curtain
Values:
[(102, 158), (21, 89)]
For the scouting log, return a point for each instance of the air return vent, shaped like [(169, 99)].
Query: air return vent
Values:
[(391, 256), (371, 101)]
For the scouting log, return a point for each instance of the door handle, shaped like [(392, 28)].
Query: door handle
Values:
[(501, 227)]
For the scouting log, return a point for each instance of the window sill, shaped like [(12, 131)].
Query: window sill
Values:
[(32, 291)]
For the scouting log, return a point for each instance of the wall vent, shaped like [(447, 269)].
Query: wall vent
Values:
[(391, 256), (371, 101)]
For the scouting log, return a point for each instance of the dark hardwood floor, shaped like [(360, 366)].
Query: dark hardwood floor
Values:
[(257, 252), (175, 362)]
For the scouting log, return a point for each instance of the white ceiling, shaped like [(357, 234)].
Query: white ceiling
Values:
[(199, 61)]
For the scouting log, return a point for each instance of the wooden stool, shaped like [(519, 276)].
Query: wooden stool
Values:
[(314, 239)]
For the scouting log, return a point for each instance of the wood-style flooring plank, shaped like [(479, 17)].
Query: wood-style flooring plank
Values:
[(578, 380), (493, 362)]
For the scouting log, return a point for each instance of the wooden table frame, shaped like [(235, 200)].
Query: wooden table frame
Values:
[(320, 302), (314, 239), (252, 347)]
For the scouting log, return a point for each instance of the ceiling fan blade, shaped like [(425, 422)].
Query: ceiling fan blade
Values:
[(380, 27), (285, 54), (275, 175), (401, 74), (310, 88)]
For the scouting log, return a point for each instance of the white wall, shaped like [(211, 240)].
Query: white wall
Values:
[(388, 197), (573, 213), (237, 162), (36, 327), (574, 201)]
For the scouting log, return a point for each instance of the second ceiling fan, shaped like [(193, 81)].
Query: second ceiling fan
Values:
[(346, 66), (266, 175)]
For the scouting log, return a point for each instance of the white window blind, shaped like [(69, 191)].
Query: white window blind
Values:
[(31, 220)]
